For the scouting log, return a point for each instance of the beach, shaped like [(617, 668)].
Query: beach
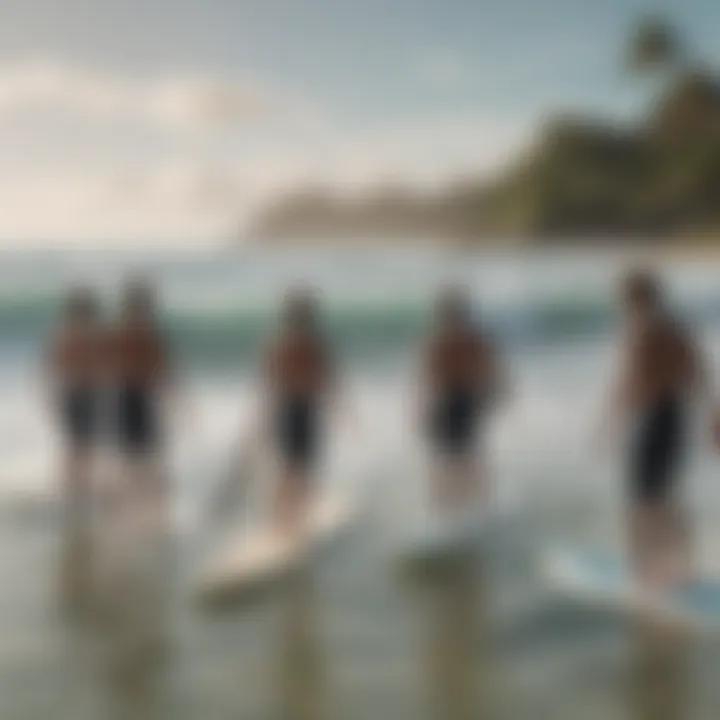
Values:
[(350, 639)]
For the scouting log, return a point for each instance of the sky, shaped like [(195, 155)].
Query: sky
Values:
[(174, 121)]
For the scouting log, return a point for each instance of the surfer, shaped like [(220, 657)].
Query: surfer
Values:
[(142, 376), (299, 380), (75, 368), (661, 370), (462, 377)]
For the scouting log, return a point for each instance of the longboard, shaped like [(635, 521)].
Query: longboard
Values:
[(602, 579), (254, 560)]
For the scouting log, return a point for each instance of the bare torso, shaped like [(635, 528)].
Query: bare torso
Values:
[(459, 360), (298, 366), (139, 358), (78, 356), (662, 363)]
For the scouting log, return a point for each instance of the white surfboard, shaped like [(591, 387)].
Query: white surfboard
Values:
[(602, 579), (255, 559)]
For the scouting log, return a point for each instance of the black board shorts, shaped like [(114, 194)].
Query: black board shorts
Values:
[(453, 421), (137, 426), (298, 432), (656, 451), (79, 416)]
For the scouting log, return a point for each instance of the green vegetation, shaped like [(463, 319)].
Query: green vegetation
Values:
[(659, 178)]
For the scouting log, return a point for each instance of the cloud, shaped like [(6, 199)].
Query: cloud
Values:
[(194, 197), (163, 203), (188, 102), (424, 153), (59, 186)]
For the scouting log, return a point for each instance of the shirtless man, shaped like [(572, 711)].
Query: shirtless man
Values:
[(299, 381), (75, 367), (461, 379), (142, 375), (662, 369)]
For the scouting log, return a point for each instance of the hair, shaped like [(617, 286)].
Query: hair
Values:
[(139, 298), (300, 309), (453, 305), (82, 304), (642, 288)]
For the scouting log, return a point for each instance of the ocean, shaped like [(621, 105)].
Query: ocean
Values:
[(353, 640)]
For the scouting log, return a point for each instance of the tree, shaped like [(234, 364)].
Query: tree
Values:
[(654, 45)]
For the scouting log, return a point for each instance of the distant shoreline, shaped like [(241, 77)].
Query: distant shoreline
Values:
[(685, 246), (583, 176)]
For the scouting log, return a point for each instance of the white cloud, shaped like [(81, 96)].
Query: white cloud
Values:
[(179, 102), (193, 197), (154, 204), (423, 153), (105, 186)]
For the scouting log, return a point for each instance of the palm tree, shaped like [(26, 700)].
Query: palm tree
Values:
[(655, 45)]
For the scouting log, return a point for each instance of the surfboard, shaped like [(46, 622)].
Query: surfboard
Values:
[(254, 560), (602, 579)]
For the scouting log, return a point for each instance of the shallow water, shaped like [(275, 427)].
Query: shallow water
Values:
[(356, 638)]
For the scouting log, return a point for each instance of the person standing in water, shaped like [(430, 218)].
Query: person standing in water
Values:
[(462, 377), (661, 370), (75, 365), (299, 381), (142, 376)]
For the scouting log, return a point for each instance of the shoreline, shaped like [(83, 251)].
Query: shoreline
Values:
[(640, 248)]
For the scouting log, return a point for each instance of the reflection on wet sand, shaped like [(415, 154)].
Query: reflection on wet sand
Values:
[(659, 674), (123, 572), (300, 667), (76, 564), (453, 670)]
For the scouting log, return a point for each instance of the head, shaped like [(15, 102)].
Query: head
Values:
[(453, 307), (642, 294), (138, 301), (82, 306), (300, 310)]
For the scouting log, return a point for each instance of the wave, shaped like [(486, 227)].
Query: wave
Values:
[(231, 334)]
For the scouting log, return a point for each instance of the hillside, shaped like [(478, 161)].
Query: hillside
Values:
[(582, 178)]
